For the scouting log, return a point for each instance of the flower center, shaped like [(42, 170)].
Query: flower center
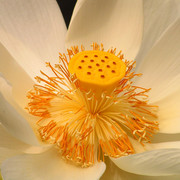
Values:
[(90, 108), (97, 68), (97, 71)]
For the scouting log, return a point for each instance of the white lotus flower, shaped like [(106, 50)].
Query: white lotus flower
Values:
[(33, 32)]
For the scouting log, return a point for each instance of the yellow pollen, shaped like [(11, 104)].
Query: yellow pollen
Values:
[(90, 108)]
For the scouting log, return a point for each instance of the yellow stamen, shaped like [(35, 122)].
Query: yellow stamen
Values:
[(87, 116)]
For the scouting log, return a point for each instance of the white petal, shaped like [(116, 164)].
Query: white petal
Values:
[(47, 166), (176, 177), (152, 163), (114, 173), (158, 16), (10, 142), (163, 145), (161, 67), (16, 76), (7, 153), (115, 23), (163, 137), (78, 5), (32, 31), (11, 119), (169, 113), (168, 144)]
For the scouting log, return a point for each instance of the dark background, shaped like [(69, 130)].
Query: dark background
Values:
[(66, 7)]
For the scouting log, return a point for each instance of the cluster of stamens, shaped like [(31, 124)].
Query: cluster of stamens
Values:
[(85, 125)]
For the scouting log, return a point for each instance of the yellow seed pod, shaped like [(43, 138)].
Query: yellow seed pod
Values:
[(97, 70)]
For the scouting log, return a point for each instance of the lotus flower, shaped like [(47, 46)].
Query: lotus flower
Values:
[(33, 32)]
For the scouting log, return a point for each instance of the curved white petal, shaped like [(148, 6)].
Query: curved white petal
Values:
[(158, 144), (77, 7), (16, 76), (169, 113), (164, 137), (7, 153), (158, 16), (116, 23), (32, 31), (47, 166), (10, 142), (159, 162), (168, 144), (161, 67), (114, 173), (11, 119), (163, 145)]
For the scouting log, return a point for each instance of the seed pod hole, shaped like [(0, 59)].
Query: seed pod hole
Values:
[(82, 61), (100, 70), (102, 76), (102, 60), (95, 55), (88, 73), (79, 67), (108, 66), (92, 60), (86, 56), (89, 66), (97, 64), (113, 71), (114, 63), (106, 57)]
